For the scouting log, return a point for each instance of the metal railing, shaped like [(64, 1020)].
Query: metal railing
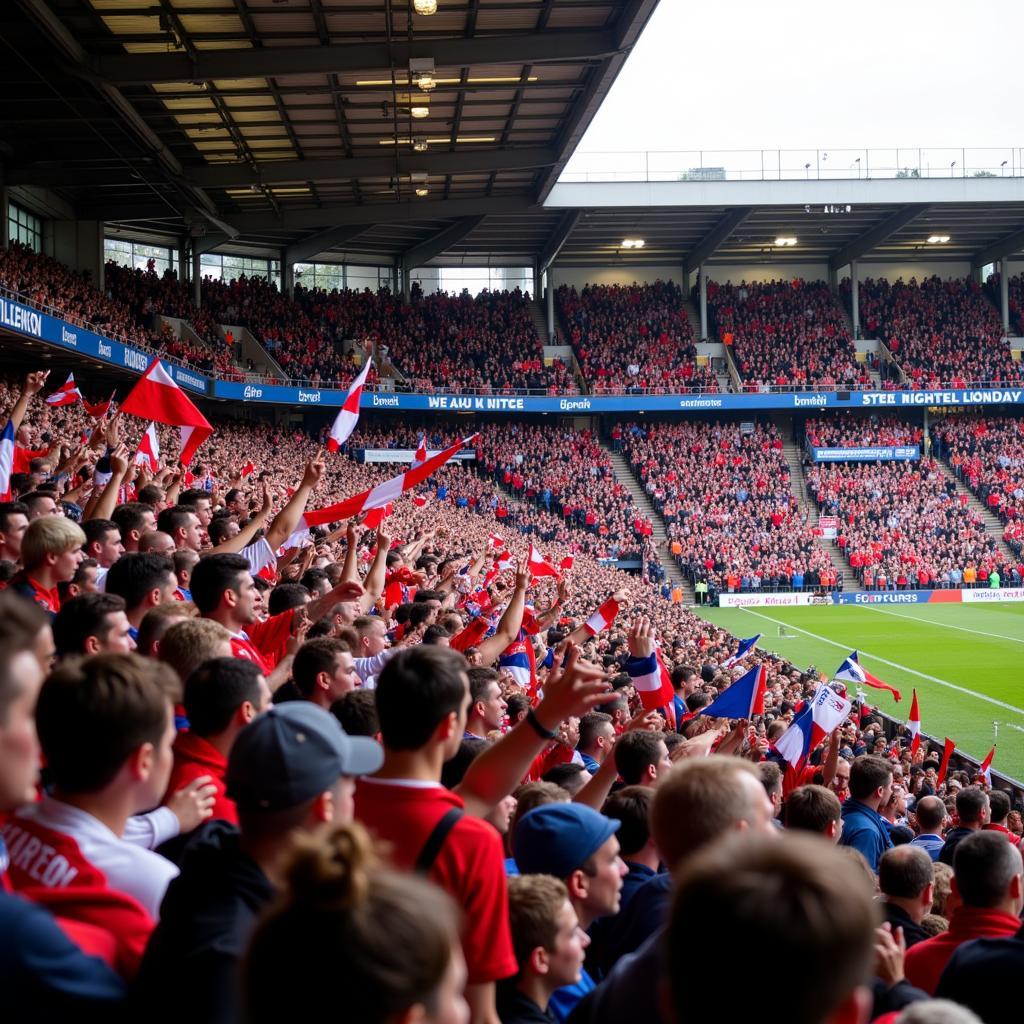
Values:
[(704, 165)]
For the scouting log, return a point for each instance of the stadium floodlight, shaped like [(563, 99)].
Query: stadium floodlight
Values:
[(425, 7), (633, 243), (938, 239), (785, 241)]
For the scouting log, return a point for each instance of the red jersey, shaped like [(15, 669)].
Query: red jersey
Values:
[(470, 866), (193, 758)]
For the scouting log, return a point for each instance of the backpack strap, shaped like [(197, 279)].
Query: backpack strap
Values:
[(435, 841)]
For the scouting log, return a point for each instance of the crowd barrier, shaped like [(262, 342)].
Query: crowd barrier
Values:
[(783, 599), (22, 319)]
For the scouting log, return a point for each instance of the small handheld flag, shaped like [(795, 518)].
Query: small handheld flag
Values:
[(914, 725), (947, 753), (348, 415), (421, 453), (539, 566), (66, 394), (744, 699), (851, 671), (745, 647), (986, 767), (603, 617)]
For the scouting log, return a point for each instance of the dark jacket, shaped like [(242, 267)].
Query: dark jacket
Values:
[(913, 933), (515, 1008), (953, 839), (190, 970), (44, 976), (980, 975)]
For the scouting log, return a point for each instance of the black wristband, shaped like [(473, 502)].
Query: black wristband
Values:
[(539, 729)]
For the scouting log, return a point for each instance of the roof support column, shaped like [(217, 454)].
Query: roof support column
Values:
[(5, 207), (702, 280), (287, 273), (551, 309), (833, 280), (406, 282), (197, 275), (855, 298), (1004, 292), (183, 262)]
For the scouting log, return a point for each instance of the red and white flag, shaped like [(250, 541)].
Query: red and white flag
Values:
[(420, 500), (566, 563), (914, 725), (421, 453), (157, 397), (495, 542), (947, 753), (348, 415), (148, 453), (66, 394), (384, 493), (603, 617), (376, 516), (6, 460), (248, 468), (539, 566), (986, 767)]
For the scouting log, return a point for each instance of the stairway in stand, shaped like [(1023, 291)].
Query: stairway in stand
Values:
[(993, 524), (624, 474), (538, 311), (693, 315), (794, 457)]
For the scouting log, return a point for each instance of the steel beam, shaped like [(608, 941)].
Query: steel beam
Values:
[(874, 237), (1006, 246), (558, 238), (719, 234), (306, 248), (425, 251), (277, 61)]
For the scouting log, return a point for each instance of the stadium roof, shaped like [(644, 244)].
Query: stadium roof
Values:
[(269, 119), (262, 125)]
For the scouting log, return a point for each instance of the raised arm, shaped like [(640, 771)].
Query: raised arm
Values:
[(286, 521), (373, 582), (34, 383), (509, 624)]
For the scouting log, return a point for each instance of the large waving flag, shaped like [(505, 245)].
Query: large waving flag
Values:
[(651, 684), (6, 460), (348, 415), (986, 767), (914, 725), (603, 617), (384, 493), (947, 753), (66, 394), (823, 713), (851, 671), (100, 409), (744, 699), (745, 647), (156, 397)]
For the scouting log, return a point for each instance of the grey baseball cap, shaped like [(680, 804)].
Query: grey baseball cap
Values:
[(293, 752)]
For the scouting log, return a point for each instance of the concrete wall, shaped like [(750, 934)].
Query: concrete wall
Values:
[(77, 243), (580, 276), (757, 273), (919, 269)]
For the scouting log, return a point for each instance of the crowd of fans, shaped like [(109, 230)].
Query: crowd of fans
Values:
[(786, 334), (942, 333), (849, 431), (633, 338), (987, 453), (375, 767), (725, 495), (902, 526)]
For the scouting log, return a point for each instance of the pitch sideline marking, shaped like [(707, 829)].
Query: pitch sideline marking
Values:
[(941, 625), (891, 664)]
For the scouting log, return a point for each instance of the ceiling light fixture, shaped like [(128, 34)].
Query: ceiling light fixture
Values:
[(425, 7), (425, 82), (419, 112), (370, 83), (785, 241), (419, 146), (633, 243), (422, 191), (938, 239)]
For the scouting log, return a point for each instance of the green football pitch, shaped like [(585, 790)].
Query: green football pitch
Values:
[(965, 661)]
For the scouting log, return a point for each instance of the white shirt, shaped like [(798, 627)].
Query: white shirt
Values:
[(127, 866)]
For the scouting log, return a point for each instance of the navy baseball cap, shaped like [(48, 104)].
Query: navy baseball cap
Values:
[(292, 753), (556, 839)]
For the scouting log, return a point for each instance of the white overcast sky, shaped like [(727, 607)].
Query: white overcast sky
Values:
[(819, 74)]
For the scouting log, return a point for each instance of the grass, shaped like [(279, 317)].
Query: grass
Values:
[(965, 661)]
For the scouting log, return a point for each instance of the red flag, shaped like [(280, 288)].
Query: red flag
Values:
[(495, 542), (421, 453), (386, 492), (66, 394), (668, 692), (348, 416), (947, 753), (566, 563), (156, 397), (376, 516), (539, 566), (100, 409), (986, 767), (249, 467), (914, 725)]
